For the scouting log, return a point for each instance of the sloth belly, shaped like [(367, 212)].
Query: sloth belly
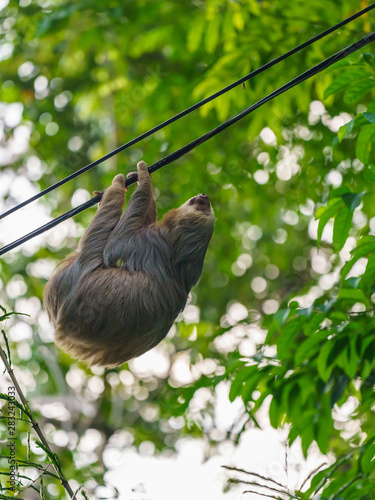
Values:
[(113, 316)]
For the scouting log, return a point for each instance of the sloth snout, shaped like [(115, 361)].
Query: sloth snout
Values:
[(200, 202), (202, 198), (199, 197)]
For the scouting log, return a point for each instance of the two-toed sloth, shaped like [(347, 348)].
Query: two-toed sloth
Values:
[(118, 295)]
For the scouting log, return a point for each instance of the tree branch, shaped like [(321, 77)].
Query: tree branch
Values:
[(52, 456)]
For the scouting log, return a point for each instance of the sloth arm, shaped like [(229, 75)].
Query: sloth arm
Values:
[(93, 242), (139, 213)]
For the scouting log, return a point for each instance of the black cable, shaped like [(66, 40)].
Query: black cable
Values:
[(188, 110), (185, 149)]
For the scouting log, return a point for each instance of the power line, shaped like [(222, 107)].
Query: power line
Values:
[(189, 147), (188, 110)]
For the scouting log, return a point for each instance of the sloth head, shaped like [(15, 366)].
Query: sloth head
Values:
[(190, 228)]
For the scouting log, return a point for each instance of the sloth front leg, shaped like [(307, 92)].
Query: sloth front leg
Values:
[(141, 209), (93, 242), (139, 213)]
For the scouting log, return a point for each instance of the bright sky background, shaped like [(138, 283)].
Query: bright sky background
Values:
[(188, 475)]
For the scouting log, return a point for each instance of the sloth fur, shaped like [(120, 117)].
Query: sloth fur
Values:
[(118, 295)]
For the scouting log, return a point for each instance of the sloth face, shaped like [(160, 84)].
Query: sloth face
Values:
[(200, 202), (197, 206)]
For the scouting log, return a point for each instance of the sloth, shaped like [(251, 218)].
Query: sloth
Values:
[(118, 295)]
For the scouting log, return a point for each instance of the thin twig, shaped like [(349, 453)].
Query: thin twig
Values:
[(331, 470), (6, 497), (22, 477), (6, 344), (40, 476), (4, 417), (343, 488), (271, 488), (31, 464), (265, 478), (35, 424), (261, 494), (312, 473)]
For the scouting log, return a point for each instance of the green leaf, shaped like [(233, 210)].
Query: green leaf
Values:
[(325, 370), (20, 406), (338, 316), (345, 130), (341, 228), (238, 20), (307, 437), (370, 117), (195, 35), (368, 278), (338, 389), (293, 403), (242, 374), (352, 200), (222, 107), (293, 435), (275, 413), (250, 386), (340, 343), (344, 79), (352, 295), (305, 311), (360, 121), (315, 321), (288, 332), (185, 330), (369, 353), (353, 361), (212, 34), (366, 369), (324, 425), (369, 173), (308, 389), (325, 213), (293, 304), (278, 320), (356, 91), (368, 459), (365, 247), (353, 281), (310, 347), (364, 143), (338, 192), (259, 402), (364, 345), (317, 480), (368, 57)]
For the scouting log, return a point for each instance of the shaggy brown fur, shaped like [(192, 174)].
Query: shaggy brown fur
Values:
[(117, 296)]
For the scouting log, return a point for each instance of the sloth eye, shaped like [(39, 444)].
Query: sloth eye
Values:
[(119, 263)]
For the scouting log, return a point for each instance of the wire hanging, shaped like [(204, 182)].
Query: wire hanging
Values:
[(200, 140), (189, 110)]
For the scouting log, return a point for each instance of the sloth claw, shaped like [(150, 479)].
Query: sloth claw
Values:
[(130, 175), (120, 179), (141, 166)]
